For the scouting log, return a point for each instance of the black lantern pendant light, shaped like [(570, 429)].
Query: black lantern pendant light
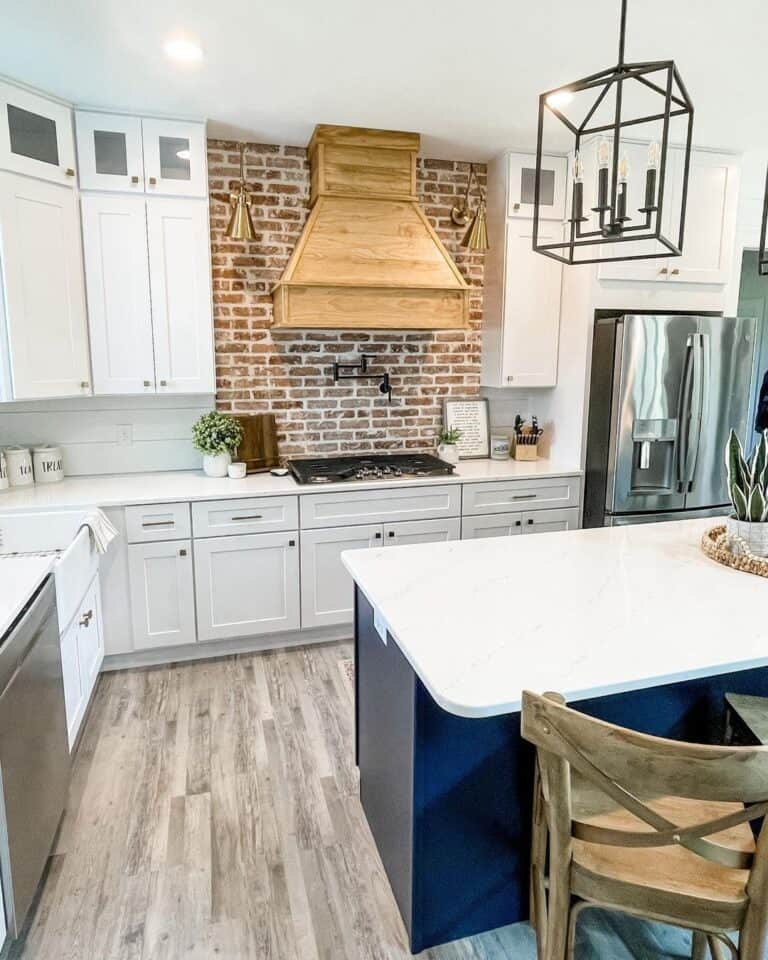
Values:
[(762, 254), (616, 231)]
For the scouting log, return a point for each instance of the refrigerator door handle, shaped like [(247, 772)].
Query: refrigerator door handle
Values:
[(684, 414), (699, 385)]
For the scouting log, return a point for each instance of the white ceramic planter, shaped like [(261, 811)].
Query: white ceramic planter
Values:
[(215, 464), (448, 452), (755, 535)]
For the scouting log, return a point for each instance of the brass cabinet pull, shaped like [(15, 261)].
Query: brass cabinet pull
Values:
[(134, 179), (152, 181), (664, 271), (676, 271), (86, 618), (69, 172), (84, 384)]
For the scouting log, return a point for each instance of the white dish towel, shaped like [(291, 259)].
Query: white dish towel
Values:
[(102, 531)]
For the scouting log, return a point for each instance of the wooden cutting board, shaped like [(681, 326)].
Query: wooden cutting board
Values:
[(259, 445)]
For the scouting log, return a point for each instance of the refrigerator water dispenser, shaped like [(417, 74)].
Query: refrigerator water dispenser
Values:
[(653, 460)]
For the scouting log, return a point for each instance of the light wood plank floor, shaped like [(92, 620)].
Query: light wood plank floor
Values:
[(214, 814)]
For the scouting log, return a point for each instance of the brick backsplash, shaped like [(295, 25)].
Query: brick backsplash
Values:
[(288, 372)]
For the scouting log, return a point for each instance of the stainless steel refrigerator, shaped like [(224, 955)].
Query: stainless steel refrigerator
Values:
[(665, 391)]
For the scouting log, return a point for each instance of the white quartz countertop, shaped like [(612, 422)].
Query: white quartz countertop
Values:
[(19, 578), (586, 613), (169, 487)]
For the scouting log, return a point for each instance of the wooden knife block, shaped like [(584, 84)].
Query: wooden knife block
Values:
[(258, 447)]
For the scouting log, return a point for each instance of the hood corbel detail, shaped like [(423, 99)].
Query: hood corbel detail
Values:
[(368, 258)]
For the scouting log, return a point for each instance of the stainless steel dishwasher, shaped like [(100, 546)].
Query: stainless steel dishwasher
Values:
[(34, 756)]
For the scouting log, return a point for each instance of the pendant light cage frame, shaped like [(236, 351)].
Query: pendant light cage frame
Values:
[(762, 254), (582, 246)]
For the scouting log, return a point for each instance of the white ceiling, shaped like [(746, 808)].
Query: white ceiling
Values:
[(464, 73)]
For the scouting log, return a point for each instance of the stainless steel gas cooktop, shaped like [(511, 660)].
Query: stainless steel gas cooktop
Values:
[(371, 467)]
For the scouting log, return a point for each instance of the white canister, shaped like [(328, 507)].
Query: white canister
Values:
[(48, 464), (499, 446), (3, 472), (19, 463)]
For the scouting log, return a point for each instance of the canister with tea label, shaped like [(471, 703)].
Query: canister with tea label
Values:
[(48, 464), (3, 472), (499, 446), (19, 463)]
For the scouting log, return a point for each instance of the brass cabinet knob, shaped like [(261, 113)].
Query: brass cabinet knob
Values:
[(134, 179), (84, 384), (69, 172), (675, 272), (664, 271), (152, 181), (515, 206)]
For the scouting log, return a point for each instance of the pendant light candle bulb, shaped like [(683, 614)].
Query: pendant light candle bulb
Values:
[(578, 168), (653, 155), (624, 169), (604, 153)]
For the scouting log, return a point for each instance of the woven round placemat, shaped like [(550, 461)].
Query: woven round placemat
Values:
[(715, 543)]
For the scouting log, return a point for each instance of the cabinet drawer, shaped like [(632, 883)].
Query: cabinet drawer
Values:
[(157, 521), (371, 506), (220, 518), (495, 525), (508, 495)]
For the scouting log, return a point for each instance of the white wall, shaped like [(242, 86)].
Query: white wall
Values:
[(100, 435)]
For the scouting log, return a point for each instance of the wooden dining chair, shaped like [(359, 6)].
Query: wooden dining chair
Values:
[(650, 827)]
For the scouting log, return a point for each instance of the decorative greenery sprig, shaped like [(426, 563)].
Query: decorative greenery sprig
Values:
[(748, 479), (449, 436), (216, 433)]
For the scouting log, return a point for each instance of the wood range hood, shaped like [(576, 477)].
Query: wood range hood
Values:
[(368, 258)]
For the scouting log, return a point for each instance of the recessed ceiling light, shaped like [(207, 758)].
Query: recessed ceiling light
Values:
[(560, 98), (183, 50)]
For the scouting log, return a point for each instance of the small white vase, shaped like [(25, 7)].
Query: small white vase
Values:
[(754, 535), (448, 452), (215, 464)]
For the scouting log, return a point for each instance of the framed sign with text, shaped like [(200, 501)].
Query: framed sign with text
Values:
[(470, 417)]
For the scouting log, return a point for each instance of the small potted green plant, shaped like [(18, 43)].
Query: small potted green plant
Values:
[(217, 436), (748, 489), (446, 444)]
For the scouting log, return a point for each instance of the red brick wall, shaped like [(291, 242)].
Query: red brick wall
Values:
[(288, 372)]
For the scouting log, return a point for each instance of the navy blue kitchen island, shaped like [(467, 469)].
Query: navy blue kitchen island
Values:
[(448, 797)]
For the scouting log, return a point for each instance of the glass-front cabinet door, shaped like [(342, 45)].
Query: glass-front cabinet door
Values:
[(109, 152), (522, 186), (174, 158), (36, 136)]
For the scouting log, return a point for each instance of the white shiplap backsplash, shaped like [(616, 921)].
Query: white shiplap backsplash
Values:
[(101, 435)]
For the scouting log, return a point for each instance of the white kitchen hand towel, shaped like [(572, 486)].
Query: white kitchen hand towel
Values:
[(102, 531)]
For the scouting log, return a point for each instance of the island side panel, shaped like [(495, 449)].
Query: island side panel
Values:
[(385, 708)]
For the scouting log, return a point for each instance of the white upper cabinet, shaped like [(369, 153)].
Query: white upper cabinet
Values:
[(36, 137), (175, 158), (117, 282), (42, 272), (180, 279), (110, 154), (710, 221), (521, 186)]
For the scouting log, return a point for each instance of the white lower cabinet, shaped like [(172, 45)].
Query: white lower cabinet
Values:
[(327, 595), (247, 585), (514, 524), (162, 593), (82, 651)]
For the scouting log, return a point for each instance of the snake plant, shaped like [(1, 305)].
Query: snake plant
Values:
[(748, 479)]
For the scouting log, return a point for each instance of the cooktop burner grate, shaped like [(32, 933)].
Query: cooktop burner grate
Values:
[(372, 467)]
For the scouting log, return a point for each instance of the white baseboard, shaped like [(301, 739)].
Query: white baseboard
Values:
[(223, 648)]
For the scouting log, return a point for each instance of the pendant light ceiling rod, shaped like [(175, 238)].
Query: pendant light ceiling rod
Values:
[(762, 254), (622, 33)]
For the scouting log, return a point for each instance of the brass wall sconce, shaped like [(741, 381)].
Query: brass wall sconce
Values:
[(240, 225), (476, 237)]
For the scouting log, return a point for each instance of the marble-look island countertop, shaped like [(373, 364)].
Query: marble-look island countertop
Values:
[(586, 613), (187, 485), (19, 578)]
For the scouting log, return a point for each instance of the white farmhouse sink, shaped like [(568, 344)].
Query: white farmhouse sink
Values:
[(57, 532)]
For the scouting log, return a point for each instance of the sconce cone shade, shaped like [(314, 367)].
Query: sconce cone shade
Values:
[(240, 225), (476, 237)]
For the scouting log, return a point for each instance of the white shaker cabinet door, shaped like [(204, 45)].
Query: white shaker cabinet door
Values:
[(36, 136), (180, 280), (41, 258), (117, 282), (109, 152), (247, 585), (550, 521), (175, 162), (73, 692), (327, 591), (498, 525), (162, 594), (532, 287), (421, 531)]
